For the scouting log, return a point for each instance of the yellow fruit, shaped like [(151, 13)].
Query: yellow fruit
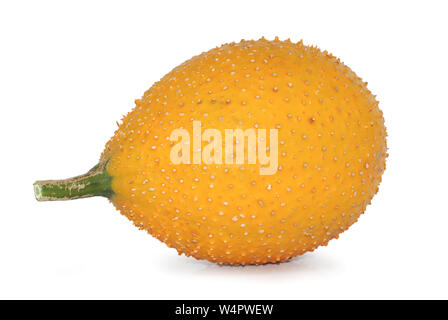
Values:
[(331, 155)]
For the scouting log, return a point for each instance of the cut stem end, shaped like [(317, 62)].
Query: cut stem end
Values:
[(96, 182)]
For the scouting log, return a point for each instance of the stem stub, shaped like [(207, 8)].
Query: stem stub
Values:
[(96, 182)]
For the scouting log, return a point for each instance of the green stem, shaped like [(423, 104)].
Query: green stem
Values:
[(96, 182)]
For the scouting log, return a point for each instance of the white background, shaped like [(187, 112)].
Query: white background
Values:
[(70, 69)]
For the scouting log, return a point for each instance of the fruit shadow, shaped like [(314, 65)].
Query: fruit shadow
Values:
[(307, 264)]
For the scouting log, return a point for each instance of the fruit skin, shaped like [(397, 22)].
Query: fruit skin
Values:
[(332, 150)]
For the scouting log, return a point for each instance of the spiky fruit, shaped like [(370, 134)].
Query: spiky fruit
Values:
[(331, 155)]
